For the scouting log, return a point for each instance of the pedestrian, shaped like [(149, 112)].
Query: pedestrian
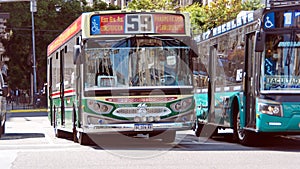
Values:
[(17, 96)]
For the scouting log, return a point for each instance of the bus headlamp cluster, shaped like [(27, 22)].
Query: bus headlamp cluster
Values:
[(270, 109), (182, 105), (99, 107)]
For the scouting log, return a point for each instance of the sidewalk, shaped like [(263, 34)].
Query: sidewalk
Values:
[(13, 108)]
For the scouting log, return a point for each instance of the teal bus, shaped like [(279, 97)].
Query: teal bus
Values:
[(247, 74), (122, 72)]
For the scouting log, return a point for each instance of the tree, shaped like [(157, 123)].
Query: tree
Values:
[(48, 25), (198, 16), (152, 5), (204, 17)]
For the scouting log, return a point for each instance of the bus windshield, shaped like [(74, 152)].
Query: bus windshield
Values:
[(281, 62), (136, 62)]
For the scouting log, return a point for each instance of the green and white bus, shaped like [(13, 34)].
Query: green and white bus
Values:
[(3, 94), (125, 72), (248, 74)]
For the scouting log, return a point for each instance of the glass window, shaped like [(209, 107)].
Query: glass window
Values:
[(137, 62), (281, 62)]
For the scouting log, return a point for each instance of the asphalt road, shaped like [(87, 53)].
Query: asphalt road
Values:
[(29, 143)]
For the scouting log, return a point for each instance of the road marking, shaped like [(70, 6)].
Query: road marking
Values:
[(27, 111)]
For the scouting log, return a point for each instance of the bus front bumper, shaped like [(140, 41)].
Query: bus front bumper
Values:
[(138, 127)]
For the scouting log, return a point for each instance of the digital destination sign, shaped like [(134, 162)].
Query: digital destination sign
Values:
[(137, 23)]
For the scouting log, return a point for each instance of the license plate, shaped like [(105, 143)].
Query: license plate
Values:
[(143, 127)]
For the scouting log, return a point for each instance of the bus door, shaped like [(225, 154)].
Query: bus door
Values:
[(220, 85), (212, 83), (62, 88), (250, 83), (50, 62)]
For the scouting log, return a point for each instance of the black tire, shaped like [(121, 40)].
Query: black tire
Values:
[(240, 135), (199, 128), (59, 133), (84, 139), (2, 128), (80, 137), (74, 133)]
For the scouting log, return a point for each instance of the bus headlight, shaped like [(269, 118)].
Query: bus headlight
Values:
[(99, 107), (270, 109), (182, 105)]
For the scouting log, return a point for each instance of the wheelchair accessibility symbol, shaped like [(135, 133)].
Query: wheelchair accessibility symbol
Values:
[(95, 22), (268, 23)]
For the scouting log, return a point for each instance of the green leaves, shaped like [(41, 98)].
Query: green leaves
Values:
[(152, 5), (49, 23), (204, 17)]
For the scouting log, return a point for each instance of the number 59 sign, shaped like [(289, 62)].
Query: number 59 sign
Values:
[(139, 23)]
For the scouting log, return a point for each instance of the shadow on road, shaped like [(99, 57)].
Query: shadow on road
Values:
[(15, 136), (222, 142)]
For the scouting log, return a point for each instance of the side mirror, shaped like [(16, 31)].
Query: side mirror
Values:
[(4, 91), (259, 44), (76, 54)]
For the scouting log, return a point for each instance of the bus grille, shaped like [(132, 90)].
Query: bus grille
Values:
[(133, 111)]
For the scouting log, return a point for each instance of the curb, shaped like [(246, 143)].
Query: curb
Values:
[(26, 110)]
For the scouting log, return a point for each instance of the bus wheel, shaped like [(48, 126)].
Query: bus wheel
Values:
[(2, 128), (83, 139), (240, 135), (74, 130), (80, 137), (199, 128), (74, 134)]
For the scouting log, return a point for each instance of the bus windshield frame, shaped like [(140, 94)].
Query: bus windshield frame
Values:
[(135, 63), (280, 71)]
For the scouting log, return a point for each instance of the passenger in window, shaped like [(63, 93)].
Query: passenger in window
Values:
[(277, 54)]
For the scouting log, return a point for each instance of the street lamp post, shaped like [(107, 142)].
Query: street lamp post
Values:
[(33, 8)]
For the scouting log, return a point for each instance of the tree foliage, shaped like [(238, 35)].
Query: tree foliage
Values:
[(152, 5), (49, 23), (204, 17)]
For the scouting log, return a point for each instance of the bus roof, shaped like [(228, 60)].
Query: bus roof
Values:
[(82, 23), (243, 18), (67, 34)]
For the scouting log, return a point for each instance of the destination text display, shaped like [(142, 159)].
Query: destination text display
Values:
[(140, 23)]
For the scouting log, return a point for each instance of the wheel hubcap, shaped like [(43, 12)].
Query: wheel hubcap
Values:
[(240, 131)]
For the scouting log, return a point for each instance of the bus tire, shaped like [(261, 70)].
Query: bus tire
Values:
[(199, 128), (83, 139), (74, 129), (2, 128), (240, 135)]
